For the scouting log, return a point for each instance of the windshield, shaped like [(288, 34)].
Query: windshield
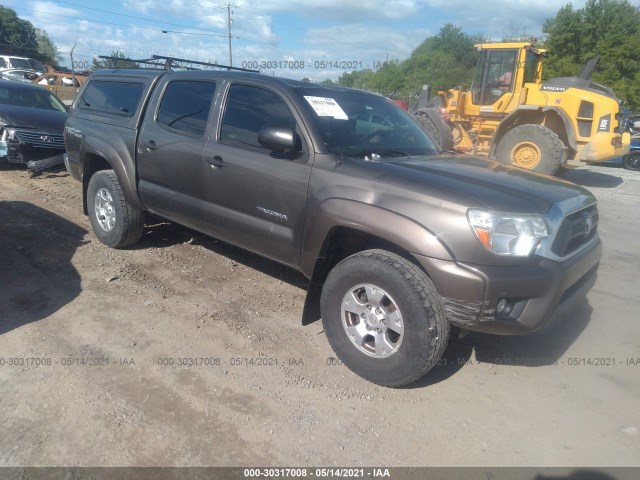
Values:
[(358, 124), (31, 98), (19, 62)]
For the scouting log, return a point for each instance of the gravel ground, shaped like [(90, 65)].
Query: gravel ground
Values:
[(184, 351)]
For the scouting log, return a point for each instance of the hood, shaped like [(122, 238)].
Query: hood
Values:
[(484, 183), (561, 84), (32, 118), (582, 81)]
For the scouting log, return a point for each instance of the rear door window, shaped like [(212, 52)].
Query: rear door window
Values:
[(117, 98), (185, 106)]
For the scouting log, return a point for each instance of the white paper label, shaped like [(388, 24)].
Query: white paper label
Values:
[(326, 107)]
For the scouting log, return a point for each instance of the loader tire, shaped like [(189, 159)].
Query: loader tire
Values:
[(533, 147), (432, 122)]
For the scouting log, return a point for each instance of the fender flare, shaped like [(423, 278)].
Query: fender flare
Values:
[(509, 120), (126, 177), (336, 213), (390, 226)]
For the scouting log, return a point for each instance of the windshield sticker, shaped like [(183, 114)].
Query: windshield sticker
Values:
[(326, 107)]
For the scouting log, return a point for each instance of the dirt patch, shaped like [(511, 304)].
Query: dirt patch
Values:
[(184, 351)]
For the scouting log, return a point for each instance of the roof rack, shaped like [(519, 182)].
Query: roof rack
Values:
[(171, 63)]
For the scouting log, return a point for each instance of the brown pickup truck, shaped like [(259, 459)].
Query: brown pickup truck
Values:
[(399, 240)]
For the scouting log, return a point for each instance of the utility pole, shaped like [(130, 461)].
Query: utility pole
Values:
[(73, 71), (229, 26)]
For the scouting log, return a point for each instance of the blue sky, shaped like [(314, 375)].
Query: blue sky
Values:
[(284, 33)]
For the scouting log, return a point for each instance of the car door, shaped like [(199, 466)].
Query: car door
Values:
[(67, 87), (254, 197), (171, 146), (50, 82)]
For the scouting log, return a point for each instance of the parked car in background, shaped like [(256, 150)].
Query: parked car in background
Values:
[(64, 85), (31, 123), (9, 62), (18, 75), (632, 160)]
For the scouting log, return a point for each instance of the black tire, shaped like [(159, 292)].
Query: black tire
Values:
[(632, 161), (399, 283), (432, 122), (114, 221), (533, 147)]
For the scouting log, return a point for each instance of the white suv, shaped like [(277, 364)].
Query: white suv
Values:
[(8, 62)]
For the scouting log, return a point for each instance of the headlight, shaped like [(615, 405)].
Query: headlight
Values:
[(508, 233)]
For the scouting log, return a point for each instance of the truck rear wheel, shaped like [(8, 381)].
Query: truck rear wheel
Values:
[(383, 318), (533, 147), (114, 221)]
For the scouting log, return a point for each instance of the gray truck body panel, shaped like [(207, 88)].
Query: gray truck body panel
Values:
[(288, 208)]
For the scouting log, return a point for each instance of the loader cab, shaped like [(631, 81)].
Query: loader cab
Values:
[(501, 72), (495, 76)]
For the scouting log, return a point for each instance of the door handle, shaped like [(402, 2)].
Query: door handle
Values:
[(216, 162), (150, 146)]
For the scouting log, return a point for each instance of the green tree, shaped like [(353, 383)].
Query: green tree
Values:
[(19, 37), (46, 48), (443, 60), (609, 29), (118, 60)]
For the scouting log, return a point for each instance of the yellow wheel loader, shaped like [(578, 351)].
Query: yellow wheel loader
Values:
[(511, 115)]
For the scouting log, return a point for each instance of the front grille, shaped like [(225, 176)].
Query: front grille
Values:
[(585, 110), (40, 139), (576, 230), (584, 128), (25, 145)]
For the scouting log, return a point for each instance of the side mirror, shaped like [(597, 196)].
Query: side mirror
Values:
[(280, 139)]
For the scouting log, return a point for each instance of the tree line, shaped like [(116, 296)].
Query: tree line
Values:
[(608, 29), (20, 38)]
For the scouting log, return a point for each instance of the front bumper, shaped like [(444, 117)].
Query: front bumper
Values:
[(538, 294), (27, 145)]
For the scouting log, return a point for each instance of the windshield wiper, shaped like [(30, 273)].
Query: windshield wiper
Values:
[(392, 153), (355, 153), (375, 154)]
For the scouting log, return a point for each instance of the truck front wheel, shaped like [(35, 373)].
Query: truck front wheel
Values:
[(533, 147), (114, 221), (383, 317)]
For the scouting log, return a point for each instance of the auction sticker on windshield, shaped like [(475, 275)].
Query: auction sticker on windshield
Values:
[(326, 107)]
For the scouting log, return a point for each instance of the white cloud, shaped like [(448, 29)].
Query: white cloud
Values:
[(362, 42), (343, 10), (350, 30), (498, 17)]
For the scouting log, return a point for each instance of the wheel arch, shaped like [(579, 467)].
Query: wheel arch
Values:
[(551, 117), (338, 232), (99, 155)]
